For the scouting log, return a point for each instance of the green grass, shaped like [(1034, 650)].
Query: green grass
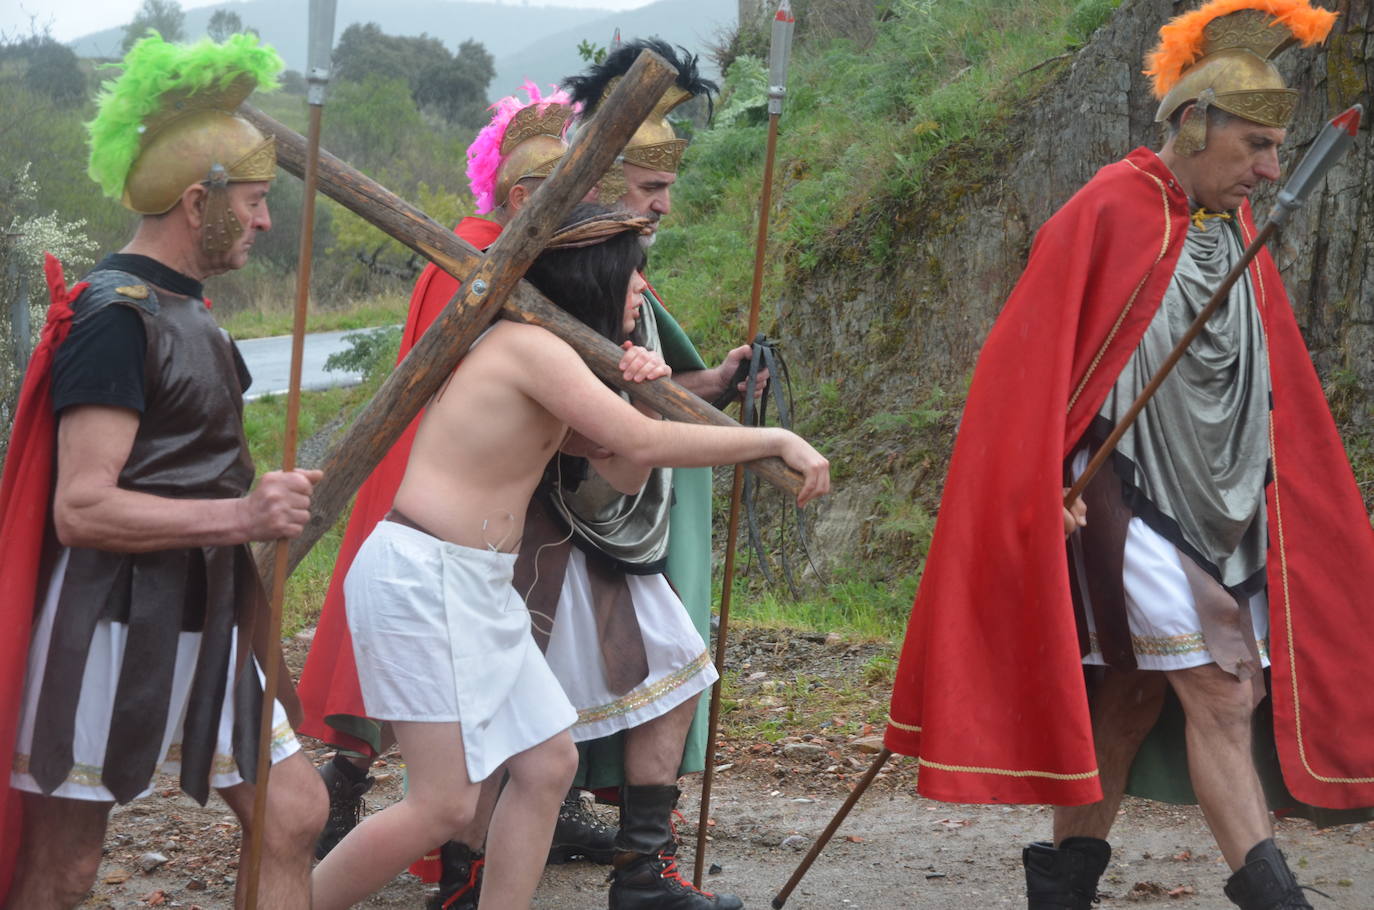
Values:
[(860, 609), (276, 318), (803, 702), (264, 422)]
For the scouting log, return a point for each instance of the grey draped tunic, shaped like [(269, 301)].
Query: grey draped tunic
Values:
[(1195, 463), (633, 530)]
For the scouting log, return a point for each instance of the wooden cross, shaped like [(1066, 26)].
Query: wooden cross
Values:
[(491, 287)]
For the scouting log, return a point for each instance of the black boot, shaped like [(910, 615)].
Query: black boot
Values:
[(1065, 879), (1265, 882), (460, 881), (579, 833), (346, 785), (646, 876)]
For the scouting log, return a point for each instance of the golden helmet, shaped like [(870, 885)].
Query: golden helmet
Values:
[(193, 146), (655, 144), (168, 122), (523, 139), (1218, 55)]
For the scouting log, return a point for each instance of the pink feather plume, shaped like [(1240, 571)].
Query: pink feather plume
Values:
[(484, 155)]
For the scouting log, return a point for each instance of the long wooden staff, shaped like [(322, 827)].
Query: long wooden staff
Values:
[(321, 38), (780, 52), (1331, 143), (348, 462)]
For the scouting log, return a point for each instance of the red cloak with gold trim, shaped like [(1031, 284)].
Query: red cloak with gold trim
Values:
[(989, 693), (329, 681), (25, 519)]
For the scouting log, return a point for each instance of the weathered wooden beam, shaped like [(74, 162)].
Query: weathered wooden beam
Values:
[(383, 419)]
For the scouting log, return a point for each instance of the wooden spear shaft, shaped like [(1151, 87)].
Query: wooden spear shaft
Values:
[(881, 759), (349, 462), (732, 533), (272, 671), (779, 54)]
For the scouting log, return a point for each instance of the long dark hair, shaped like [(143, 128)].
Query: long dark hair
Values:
[(589, 282)]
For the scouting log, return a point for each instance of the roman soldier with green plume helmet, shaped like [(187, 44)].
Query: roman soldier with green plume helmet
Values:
[(130, 596), (168, 123)]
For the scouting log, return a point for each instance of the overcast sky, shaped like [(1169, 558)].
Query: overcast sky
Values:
[(70, 19)]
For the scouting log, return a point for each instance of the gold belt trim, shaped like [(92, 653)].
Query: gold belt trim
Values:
[(974, 769)]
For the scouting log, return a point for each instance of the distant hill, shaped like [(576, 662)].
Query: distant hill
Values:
[(694, 24), (503, 28), (535, 41)]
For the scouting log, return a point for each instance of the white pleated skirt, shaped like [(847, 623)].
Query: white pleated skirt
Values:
[(440, 636)]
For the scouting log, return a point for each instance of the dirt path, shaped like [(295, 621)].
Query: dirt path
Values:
[(895, 851), (800, 709)]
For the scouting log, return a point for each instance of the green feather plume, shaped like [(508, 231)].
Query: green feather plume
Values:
[(152, 69)]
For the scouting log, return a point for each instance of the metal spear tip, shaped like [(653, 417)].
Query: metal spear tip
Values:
[(1348, 121), (779, 56), (1334, 140), (319, 48)]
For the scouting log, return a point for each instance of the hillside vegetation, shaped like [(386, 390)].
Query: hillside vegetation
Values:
[(886, 116)]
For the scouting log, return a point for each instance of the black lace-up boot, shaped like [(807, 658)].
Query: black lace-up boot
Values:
[(1265, 882), (346, 785), (579, 833), (460, 881), (1066, 878), (646, 876)]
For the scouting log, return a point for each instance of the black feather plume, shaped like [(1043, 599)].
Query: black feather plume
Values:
[(590, 85)]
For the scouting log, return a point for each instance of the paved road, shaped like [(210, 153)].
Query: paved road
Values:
[(269, 360)]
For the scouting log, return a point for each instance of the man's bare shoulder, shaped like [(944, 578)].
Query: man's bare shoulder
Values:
[(526, 342)]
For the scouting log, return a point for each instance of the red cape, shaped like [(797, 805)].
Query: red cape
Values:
[(989, 691), (25, 498), (329, 681)]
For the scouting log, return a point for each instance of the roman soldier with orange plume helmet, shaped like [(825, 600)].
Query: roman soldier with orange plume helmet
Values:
[(1219, 56)]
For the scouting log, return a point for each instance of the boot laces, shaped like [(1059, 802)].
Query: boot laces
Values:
[(474, 873), (578, 810), (346, 804), (1315, 891), (670, 872)]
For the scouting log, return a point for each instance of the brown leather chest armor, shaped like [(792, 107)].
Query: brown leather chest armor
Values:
[(189, 445)]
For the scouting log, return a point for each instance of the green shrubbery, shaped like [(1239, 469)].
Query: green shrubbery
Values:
[(864, 118)]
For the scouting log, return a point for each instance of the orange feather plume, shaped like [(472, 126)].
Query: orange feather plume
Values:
[(1181, 39)]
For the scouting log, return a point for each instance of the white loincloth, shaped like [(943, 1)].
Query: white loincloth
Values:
[(440, 636), (96, 705), (680, 667), (1166, 633)]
